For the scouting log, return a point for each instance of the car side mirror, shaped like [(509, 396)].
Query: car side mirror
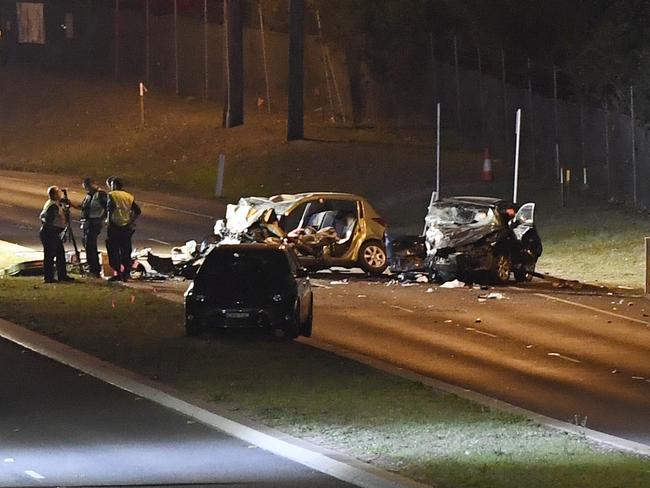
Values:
[(301, 273)]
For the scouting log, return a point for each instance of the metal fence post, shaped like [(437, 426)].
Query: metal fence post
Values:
[(531, 118), (176, 81), (607, 161), (634, 168), (481, 105), (647, 266), (147, 43), (206, 59), (264, 59), (506, 129), (457, 70)]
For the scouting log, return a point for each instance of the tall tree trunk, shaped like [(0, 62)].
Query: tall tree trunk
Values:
[(234, 63), (295, 123)]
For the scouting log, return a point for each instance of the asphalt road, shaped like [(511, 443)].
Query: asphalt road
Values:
[(574, 356), (61, 427)]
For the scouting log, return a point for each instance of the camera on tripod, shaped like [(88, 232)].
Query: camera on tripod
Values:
[(65, 200)]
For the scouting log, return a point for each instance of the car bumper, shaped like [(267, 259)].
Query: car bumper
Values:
[(241, 318)]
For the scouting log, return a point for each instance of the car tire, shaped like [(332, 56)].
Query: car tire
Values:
[(525, 272), (308, 324), (501, 268), (372, 258), (292, 329)]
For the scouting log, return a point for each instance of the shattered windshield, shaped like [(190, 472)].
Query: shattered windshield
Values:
[(449, 214)]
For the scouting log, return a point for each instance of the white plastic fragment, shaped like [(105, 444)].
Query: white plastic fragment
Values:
[(453, 284), (340, 282)]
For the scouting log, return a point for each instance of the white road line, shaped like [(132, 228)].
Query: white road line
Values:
[(159, 242), (402, 308), (34, 474), (561, 356), (5, 205), (164, 207), (594, 309), (480, 332), (8, 460)]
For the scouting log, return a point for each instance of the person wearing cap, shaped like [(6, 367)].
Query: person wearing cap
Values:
[(122, 212), (53, 223), (93, 212)]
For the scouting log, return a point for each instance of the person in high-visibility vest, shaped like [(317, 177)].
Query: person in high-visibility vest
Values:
[(122, 212), (93, 212), (53, 223)]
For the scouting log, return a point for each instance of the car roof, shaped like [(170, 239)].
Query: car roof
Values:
[(316, 194), (475, 200)]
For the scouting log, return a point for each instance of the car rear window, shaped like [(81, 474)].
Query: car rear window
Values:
[(256, 267)]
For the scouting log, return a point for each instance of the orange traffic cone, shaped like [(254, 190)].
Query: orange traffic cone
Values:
[(487, 174)]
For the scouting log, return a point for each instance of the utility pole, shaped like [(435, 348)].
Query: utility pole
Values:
[(234, 63), (295, 123)]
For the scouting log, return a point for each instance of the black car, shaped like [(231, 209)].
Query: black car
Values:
[(470, 238), (250, 286)]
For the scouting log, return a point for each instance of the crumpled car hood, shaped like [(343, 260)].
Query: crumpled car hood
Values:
[(247, 211), (455, 236)]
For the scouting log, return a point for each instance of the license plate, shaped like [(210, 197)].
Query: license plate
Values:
[(237, 315)]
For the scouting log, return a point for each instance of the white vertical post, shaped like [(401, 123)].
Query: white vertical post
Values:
[(143, 90), (435, 195), (221, 169), (518, 139)]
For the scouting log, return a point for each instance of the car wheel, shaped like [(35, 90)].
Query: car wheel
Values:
[(501, 268), (308, 324), (372, 258), (525, 272), (292, 328)]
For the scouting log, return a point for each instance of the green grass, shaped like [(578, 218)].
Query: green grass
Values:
[(596, 243), (390, 422)]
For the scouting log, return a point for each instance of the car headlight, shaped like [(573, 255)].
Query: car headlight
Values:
[(277, 297)]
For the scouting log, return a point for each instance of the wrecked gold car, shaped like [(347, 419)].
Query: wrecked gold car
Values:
[(326, 229), (471, 238)]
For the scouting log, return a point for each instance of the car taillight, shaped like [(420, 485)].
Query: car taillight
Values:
[(380, 221)]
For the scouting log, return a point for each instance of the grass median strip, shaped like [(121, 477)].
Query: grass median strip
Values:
[(390, 422)]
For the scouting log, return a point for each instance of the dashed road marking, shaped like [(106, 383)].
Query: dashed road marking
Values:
[(159, 241), (34, 474), (480, 332), (594, 309), (561, 356), (8, 460), (402, 308), (5, 205)]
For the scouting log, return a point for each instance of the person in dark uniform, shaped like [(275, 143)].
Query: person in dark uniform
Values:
[(122, 214), (53, 222), (93, 212)]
